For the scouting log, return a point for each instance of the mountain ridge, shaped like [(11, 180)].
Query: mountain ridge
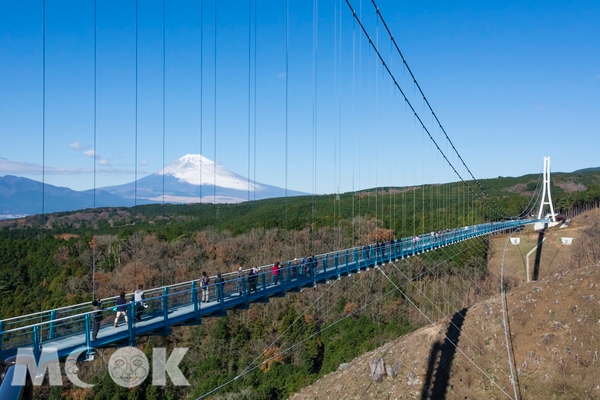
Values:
[(189, 179)]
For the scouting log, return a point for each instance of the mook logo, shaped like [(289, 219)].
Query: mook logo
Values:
[(128, 367)]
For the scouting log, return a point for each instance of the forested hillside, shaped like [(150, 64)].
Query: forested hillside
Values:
[(47, 261)]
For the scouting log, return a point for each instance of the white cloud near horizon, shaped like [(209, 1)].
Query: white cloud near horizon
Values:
[(9, 167), (86, 151)]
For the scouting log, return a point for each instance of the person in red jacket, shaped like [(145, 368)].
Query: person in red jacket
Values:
[(276, 270)]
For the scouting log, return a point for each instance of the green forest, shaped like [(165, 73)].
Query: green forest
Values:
[(47, 261)]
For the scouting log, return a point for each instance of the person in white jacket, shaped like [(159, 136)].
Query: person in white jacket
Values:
[(138, 298)]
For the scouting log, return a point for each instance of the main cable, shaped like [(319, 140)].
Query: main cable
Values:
[(429, 105), (407, 102)]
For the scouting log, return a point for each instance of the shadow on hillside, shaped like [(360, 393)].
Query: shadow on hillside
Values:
[(446, 352), (538, 256)]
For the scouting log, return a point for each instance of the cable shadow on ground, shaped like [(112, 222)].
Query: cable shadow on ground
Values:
[(443, 354), (538, 255)]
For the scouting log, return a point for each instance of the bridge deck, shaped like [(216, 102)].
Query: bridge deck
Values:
[(69, 328)]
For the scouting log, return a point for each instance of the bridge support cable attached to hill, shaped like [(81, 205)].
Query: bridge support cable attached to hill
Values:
[(420, 275), (505, 323), (448, 340), (249, 368), (446, 317), (282, 334)]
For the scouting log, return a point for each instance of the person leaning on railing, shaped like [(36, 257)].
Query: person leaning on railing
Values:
[(238, 283), (204, 282), (253, 278)]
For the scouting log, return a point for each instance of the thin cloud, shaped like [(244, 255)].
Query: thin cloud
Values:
[(86, 151), (76, 146), (9, 167), (144, 162)]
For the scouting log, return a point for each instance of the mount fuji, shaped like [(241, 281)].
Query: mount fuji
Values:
[(193, 174)]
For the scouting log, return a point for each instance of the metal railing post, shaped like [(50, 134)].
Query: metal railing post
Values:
[(347, 264), (222, 295), (337, 264), (88, 340), (52, 327), (195, 300), (244, 289), (1, 334), (130, 327), (165, 306), (36, 343), (264, 285)]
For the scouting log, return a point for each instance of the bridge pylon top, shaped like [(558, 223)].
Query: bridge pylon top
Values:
[(546, 192)]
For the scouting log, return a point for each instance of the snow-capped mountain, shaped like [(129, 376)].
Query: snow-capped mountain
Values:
[(196, 169), (194, 178)]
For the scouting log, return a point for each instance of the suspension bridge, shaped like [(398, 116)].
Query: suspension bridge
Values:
[(64, 330)]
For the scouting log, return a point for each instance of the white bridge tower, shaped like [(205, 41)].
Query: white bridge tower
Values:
[(547, 191)]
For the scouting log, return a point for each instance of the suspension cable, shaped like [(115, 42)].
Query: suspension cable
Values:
[(446, 336), (367, 304), (407, 102), (504, 322), (164, 102), (43, 145), (94, 244), (434, 115), (136, 146)]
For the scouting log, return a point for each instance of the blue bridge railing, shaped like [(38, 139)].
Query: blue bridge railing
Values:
[(69, 328)]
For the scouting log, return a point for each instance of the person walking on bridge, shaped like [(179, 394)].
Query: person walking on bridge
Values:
[(253, 278), (121, 308), (275, 270), (138, 298)]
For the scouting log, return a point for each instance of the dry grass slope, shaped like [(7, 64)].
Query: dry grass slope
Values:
[(555, 335)]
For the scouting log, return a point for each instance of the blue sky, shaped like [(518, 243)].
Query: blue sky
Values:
[(510, 81)]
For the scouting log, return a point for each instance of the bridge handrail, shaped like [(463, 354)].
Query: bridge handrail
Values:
[(374, 251), (289, 265)]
